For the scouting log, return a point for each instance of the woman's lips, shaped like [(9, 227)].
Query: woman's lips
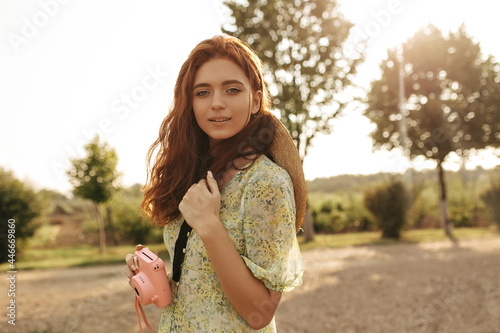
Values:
[(219, 120)]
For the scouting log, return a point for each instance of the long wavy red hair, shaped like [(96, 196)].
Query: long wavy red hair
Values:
[(183, 153)]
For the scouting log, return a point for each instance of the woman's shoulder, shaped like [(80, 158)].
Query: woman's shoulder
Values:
[(265, 170)]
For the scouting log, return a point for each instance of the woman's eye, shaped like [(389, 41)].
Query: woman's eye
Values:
[(202, 93), (233, 90)]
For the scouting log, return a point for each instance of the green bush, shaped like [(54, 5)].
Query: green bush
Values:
[(388, 204), (20, 203), (128, 224), (462, 201), (128, 221), (338, 214), (423, 212), (491, 198), (323, 219)]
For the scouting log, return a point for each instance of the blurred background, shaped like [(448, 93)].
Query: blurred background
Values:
[(66, 73), (72, 70), (393, 105)]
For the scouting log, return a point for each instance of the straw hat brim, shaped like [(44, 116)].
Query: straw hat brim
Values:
[(286, 155)]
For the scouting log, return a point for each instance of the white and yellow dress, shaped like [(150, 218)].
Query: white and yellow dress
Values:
[(258, 212)]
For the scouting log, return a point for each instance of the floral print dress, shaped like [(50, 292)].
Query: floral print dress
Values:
[(258, 212)]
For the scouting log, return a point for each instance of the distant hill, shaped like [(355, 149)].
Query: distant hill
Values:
[(358, 183)]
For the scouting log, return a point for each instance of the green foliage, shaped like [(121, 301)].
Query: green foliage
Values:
[(452, 102), (452, 92), (491, 198), (301, 44), (93, 175), (463, 206), (346, 183), (130, 224), (423, 204), (324, 241), (338, 213), (464, 186), (80, 256), (87, 255), (388, 204), (19, 202), (327, 216)]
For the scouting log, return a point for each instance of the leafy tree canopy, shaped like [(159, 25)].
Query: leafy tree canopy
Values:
[(93, 175), (20, 203), (301, 44), (452, 96)]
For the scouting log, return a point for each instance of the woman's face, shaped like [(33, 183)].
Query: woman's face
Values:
[(223, 99)]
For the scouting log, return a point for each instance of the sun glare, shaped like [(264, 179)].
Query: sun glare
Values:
[(97, 76)]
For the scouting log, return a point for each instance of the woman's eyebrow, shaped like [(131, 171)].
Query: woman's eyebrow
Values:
[(224, 83)]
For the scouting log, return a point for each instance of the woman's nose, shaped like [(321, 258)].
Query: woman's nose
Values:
[(217, 101)]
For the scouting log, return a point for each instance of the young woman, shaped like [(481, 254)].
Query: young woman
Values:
[(227, 185)]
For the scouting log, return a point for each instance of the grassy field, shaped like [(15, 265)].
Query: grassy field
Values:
[(87, 255), (374, 238), (76, 256)]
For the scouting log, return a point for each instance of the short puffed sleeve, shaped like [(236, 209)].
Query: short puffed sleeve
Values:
[(272, 252)]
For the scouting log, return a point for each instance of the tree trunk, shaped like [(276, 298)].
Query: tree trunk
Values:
[(308, 225), (102, 231), (110, 226), (445, 218)]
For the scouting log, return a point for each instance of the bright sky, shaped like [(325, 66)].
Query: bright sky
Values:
[(70, 69)]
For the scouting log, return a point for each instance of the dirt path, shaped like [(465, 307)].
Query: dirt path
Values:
[(432, 287)]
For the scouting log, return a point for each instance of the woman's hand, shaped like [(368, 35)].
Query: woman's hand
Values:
[(201, 204), (131, 267)]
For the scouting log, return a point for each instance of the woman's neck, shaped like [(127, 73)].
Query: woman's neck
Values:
[(238, 164)]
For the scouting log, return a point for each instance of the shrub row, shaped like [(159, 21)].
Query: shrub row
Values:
[(391, 206)]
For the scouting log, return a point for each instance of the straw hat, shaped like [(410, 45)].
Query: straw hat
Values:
[(285, 155)]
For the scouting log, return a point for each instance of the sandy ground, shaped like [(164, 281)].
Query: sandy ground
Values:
[(431, 287)]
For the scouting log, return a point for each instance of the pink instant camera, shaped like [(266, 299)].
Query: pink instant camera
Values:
[(150, 283)]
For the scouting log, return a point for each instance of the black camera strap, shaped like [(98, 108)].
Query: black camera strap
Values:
[(180, 250)]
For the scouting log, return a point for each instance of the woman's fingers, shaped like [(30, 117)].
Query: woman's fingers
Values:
[(128, 272), (131, 266), (212, 184), (129, 259), (201, 201)]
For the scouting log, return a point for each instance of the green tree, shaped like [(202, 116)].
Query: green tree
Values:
[(307, 67), (19, 203), (93, 178), (452, 101), (388, 204)]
